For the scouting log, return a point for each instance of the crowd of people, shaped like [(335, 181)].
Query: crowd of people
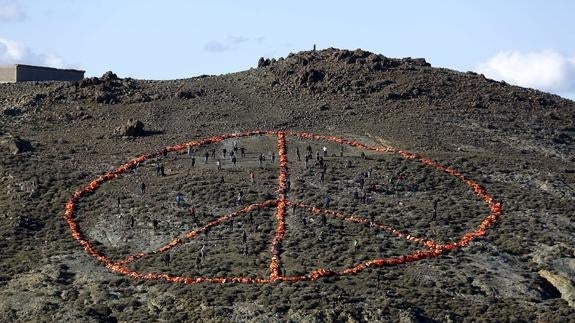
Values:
[(366, 184)]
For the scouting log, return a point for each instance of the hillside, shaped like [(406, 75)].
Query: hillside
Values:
[(517, 143)]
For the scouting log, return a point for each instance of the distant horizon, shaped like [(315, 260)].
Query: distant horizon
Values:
[(527, 44), (255, 65)]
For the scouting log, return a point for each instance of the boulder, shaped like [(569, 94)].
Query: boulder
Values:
[(11, 112), (359, 53), (15, 144), (185, 94), (419, 62), (263, 62), (310, 76), (109, 76), (132, 128)]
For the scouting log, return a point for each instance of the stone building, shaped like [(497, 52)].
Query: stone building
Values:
[(23, 73)]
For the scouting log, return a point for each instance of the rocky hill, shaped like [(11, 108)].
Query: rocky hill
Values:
[(517, 143)]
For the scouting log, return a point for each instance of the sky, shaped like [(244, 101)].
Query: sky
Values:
[(526, 43)]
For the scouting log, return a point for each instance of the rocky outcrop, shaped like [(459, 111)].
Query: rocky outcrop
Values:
[(563, 284), (263, 62)]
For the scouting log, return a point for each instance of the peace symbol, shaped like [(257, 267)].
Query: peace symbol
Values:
[(429, 248)]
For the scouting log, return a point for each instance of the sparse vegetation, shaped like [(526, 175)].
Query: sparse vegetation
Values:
[(506, 142)]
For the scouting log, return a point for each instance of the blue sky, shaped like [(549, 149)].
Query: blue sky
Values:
[(529, 43)]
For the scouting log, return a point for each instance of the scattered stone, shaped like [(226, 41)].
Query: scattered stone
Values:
[(106, 98), (90, 81), (412, 316), (310, 76), (138, 97)]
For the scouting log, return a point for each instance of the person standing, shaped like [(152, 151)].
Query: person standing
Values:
[(234, 160), (327, 201), (261, 160), (157, 168), (166, 258), (297, 154), (243, 152), (203, 251), (206, 156), (324, 151), (193, 161), (219, 164), (252, 176), (143, 188)]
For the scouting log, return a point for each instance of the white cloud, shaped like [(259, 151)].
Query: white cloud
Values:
[(546, 70), (12, 52), (231, 43), (216, 46), (11, 12)]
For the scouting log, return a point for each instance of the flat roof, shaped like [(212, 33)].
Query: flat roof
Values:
[(44, 67)]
